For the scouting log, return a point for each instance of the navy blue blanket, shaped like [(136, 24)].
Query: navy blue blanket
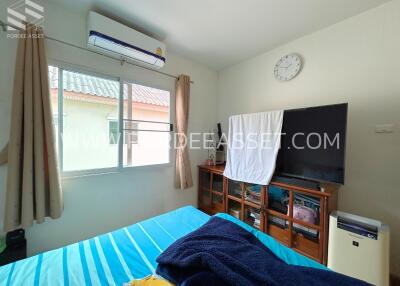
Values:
[(222, 253)]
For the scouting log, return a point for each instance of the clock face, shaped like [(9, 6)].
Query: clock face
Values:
[(288, 67)]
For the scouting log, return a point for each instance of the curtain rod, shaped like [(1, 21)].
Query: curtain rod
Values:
[(122, 60)]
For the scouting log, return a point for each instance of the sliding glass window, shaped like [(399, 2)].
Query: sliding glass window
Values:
[(89, 124), (146, 118)]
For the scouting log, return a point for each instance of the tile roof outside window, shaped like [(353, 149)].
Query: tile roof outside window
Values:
[(90, 85)]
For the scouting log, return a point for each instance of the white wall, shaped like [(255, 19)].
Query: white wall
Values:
[(356, 61), (97, 204)]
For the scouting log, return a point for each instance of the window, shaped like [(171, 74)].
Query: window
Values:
[(88, 134), (146, 116)]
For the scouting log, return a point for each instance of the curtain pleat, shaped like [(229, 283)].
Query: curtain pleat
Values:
[(183, 172), (3, 155), (33, 181)]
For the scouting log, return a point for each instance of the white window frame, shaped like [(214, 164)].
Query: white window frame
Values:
[(120, 167)]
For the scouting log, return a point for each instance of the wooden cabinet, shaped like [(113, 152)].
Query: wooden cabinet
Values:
[(275, 209), (211, 195)]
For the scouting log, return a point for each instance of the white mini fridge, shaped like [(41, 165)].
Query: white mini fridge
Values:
[(359, 247)]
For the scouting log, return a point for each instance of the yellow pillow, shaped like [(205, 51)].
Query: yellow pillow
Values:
[(151, 280)]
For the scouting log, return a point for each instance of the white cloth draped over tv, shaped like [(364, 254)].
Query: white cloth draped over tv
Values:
[(253, 144)]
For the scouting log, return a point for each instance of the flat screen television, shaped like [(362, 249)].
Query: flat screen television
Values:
[(313, 143)]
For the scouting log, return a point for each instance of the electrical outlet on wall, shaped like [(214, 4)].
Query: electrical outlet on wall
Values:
[(384, 128)]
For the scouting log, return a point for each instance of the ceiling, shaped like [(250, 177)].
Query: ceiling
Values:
[(220, 33)]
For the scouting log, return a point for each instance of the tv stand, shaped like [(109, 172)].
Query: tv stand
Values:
[(271, 208)]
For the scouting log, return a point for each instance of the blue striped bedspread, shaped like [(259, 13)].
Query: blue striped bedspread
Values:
[(110, 259), (125, 254)]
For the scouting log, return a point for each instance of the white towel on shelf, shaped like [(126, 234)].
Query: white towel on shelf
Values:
[(253, 144)]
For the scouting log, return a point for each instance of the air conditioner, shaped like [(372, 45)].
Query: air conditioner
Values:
[(114, 39), (359, 247)]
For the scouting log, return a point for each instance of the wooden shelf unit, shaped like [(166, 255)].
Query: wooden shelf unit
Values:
[(308, 239), (211, 195)]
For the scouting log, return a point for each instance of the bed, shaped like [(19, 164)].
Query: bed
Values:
[(125, 254)]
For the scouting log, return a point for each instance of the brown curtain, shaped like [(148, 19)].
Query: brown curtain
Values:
[(33, 181), (3, 155), (183, 177)]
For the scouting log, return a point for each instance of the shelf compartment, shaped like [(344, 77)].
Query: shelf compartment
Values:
[(305, 245), (235, 189), (205, 179), (307, 205), (253, 193), (280, 233), (218, 183), (277, 199), (217, 202), (205, 199), (235, 209), (300, 208), (253, 217)]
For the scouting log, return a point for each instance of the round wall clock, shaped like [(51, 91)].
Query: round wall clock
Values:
[(288, 67)]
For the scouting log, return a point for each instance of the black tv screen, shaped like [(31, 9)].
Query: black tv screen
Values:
[(313, 143)]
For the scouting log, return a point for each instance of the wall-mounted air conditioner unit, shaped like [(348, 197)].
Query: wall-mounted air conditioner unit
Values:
[(117, 40)]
